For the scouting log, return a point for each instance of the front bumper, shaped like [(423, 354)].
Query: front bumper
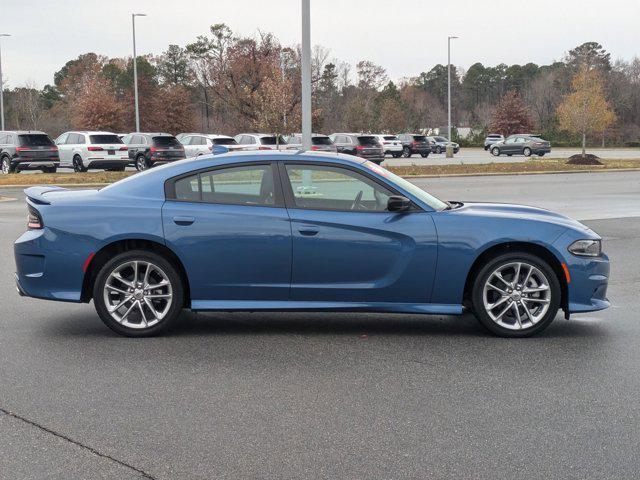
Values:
[(588, 287)]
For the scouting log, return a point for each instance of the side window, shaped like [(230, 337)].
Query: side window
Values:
[(127, 139), (2, 139), (240, 185), (320, 187), (185, 140), (80, 139)]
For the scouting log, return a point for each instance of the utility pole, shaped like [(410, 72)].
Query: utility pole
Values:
[(306, 75), (449, 146), (135, 67), (2, 86)]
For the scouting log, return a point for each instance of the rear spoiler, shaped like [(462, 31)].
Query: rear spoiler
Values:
[(37, 194)]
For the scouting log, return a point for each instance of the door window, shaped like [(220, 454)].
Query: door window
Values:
[(320, 187), (241, 185)]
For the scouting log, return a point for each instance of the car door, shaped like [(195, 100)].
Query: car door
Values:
[(347, 247), (232, 233), (64, 149), (510, 146)]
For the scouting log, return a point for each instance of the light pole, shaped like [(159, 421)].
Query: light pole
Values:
[(2, 86), (306, 75), (135, 67), (449, 147)]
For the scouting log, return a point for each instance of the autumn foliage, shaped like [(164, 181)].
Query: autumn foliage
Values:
[(511, 116)]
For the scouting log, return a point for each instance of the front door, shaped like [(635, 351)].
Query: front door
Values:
[(232, 233), (347, 247)]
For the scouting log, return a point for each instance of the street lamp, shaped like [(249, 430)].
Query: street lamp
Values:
[(2, 86), (135, 67), (449, 147), (306, 75)]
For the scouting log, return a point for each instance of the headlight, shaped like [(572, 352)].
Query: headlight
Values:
[(586, 248)]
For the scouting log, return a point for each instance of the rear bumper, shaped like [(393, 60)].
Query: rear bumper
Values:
[(420, 150), (373, 158), (107, 162), (29, 164), (540, 150)]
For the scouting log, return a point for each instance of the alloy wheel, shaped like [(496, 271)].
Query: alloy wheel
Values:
[(141, 163), (516, 295), (495, 152), (526, 152), (138, 294), (5, 166)]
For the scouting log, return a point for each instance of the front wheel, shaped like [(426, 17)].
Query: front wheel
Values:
[(495, 151), (6, 166), (516, 295), (424, 155), (438, 149), (526, 152), (397, 155), (406, 152), (78, 165), (141, 163), (138, 294)]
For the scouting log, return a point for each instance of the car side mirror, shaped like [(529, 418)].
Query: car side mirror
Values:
[(397, 203)]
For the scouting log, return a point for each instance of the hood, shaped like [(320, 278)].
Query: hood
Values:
[(521, 212)]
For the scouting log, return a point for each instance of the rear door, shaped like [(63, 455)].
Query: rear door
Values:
[(347, 247), (64, 150), (232, 233)]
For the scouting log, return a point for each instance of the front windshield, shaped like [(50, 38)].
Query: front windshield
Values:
[(417, 192)]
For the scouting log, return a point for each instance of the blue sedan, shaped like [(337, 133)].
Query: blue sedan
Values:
[(301, 231)]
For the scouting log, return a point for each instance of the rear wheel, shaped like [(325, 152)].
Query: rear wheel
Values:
[(397, 154), (495, 151), (516, 295), (50, 169), (406, 152), (141, 163), (424, 155), (78, 165), (438, 149), (138, 294)]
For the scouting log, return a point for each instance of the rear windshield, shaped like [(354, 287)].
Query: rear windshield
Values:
[(104, 139), (369, 141), (321, 141), (166, 141), (35, 140), (224, 141), (272, 140), (440, 139), (535, 139), (390, 137), (419, 138), (494, 136)]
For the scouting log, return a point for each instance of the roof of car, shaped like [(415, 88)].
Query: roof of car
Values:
[(23, 132), (91, 132), (260, 135), (157, 134)]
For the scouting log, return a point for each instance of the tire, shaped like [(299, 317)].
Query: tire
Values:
[(424, 155), (506, 323), (509, 154), (495, 151), (406, 152), (50, 169), (486, 147), (141, 163), (78, 166), (526, 151), (116, 169), (438, 149), (6, 166), (541, 154), (397, 154), (131, 311)]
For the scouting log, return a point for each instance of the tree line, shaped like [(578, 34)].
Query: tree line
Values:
[(226, 83)]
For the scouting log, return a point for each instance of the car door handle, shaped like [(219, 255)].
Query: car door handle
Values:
[(183, 220), (308, 232)]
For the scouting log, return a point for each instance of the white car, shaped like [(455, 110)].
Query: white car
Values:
[(84, 150), (261, 141), (391, 145), (196, 144)]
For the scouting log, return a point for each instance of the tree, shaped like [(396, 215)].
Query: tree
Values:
[(173, 66), (511, 116), (175, 114), (97, 108), (391, 118), (590, 55), (585, 110)]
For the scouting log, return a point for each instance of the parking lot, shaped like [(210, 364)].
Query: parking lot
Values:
[(299, 395)]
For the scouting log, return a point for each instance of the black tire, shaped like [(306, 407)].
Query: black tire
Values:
[(495, 151), (141, 163), (509, 154), (541, 154), (78, 166), (116, 169), (438, 149), (50, 169), (504, 259), (424, 155), (406, 152), (176, 286), (397, 154), (526, 151), (5, 165), (486, 147)]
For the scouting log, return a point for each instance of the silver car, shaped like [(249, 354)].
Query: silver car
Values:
[(491, 139), (261, 141), (320, 143), (196, 144)]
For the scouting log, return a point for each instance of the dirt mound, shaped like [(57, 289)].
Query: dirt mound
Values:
[(587, 159)]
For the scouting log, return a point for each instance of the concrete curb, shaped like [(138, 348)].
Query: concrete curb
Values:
[(438, 175)]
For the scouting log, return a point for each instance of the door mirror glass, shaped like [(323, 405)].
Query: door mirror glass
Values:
[(397, 203)]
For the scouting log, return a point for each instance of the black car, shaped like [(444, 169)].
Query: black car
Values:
[(148, 149), (361, 145), (414, 143), (28, 150)]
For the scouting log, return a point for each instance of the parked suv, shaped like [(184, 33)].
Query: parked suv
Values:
[(521, 144), (414, 143), (439, 144), (149, 149), (320, 143), (27, 150), (361, 145), (491, 139), (196, 144), (260, 141), (391, 145), (84, 150)]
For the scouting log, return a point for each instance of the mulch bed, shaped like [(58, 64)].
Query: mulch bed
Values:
[(586, 159)]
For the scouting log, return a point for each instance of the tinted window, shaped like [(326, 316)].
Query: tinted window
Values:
[(3, 139), (35, 140), (185, 140), (127, 139), (224, 141), (166, 141), (320, 187), (321, 141), (104, 139), (188, 189), (368, 141), (390, 137), (440, 139), (250, 185), (272, 140), (419, 138)]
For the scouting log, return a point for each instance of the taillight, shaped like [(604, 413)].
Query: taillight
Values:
[(264, 148), (153, 149), (314, 148), (125, 148), (359, 147), (22, 149), (54, 149), (95, 149), (34, 220), (414, 143), (386, 143)]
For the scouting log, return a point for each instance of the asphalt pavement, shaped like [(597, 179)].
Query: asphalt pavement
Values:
[(348, 396)]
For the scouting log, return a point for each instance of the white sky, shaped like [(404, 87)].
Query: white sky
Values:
[(404, 36)]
